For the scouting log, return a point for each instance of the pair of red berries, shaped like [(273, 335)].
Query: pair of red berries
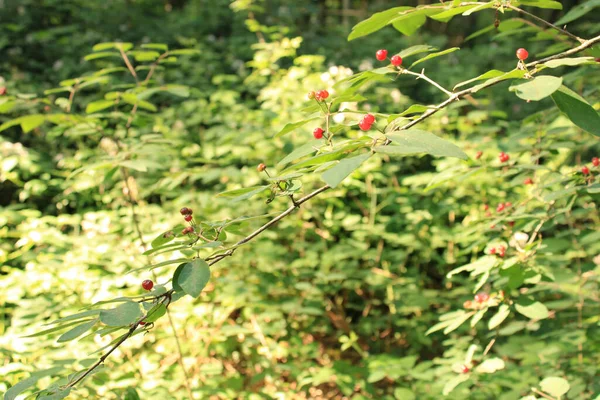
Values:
[(187, 213), (502, 206), (366, 122), (499, 251), (319, 95), (381, 55), (503, 157)]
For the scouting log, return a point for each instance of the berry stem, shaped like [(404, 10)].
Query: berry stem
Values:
[(543, 21)]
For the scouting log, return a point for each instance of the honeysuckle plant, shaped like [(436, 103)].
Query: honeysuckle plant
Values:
[(513, 266)]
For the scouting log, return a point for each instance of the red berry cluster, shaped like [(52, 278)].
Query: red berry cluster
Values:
[(366, 122), (147, 284), (381, 55), (503, 157), (319, 95)]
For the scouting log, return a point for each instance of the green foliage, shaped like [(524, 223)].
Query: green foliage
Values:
[(372, 289)]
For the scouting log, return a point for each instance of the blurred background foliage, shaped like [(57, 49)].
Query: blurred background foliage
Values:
[(334, 302)]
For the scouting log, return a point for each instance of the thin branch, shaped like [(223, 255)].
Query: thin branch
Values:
[(543, 21), (128, 63), (421, 75)]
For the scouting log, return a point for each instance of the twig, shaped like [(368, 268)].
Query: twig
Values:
[(421, 75), (543, 21), (534, 390), (128, 63)]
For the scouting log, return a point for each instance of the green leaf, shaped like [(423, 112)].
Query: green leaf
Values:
[(538, 88), (61, 394), (80, 315), (163, 238), (142, 56), (531, 309), (555, 386), (576, 108), (300, 152), (414, 141), (409, 24), (123, 315), (157, 311), (243, 193), (294, 125), (113, 45), (458, 321), (340, 171), (98, 105), (578, 11), (131, 394), (377, 21), (490, 366), (420, 48), (404, 394), (56, 328), (155, 46), (30, 122), (499, 317), (494, 73), (570, 62), (103, 54), (453, 383), (77, 331), (514, 74), (449, 14), (549, 4), (193, 277), (434, 55), (184, 52), (18, 388), (134, 100)]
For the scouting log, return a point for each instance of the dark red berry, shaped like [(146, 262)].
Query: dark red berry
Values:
[(522, 54), (528, 181), (596, 161), (381, 54), (261, 167), (318, 133), (503, 157), (585, 170), (478, 155), (396, 61), (142, 323), (364, 125), (147, 284), (369, 118), (311, 95), (464, 369), (482, 297), (187, 230), (186, 211), (188, 218)]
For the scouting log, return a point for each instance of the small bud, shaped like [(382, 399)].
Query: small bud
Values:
[(261, 167)]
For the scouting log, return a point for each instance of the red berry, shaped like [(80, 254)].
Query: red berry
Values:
[(503, 157), (528, 181), (142, 323), (493, 250), (596, 161), (500, 207), (318, 133), (511, 223), (369, 118), (381, 54), (188, 218), (147, 284), (261, 167), (311, 95), (464, 369), (396, 61), (478, 155), (486, 207), (522, 54), (508, 204), (186, 211), (482, 297), (2, 90), (585, 170), (322, 95), (187, 230), (364, 125)]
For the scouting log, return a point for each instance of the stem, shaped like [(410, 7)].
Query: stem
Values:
[(128, 63), (421, 75), (543, 21)]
